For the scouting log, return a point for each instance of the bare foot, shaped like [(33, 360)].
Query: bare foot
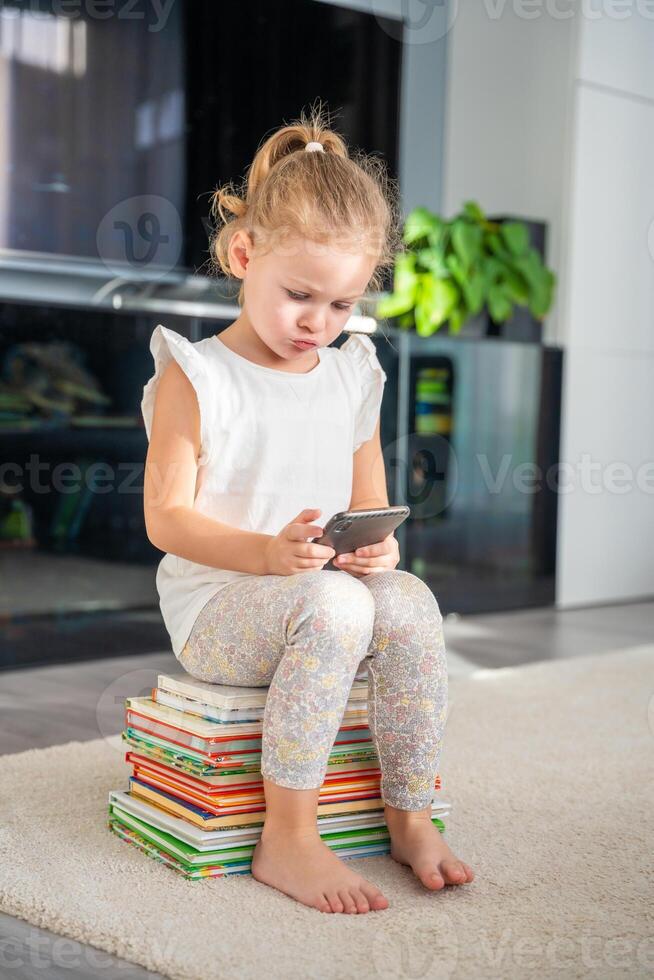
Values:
[(301, 865), (417, 842)]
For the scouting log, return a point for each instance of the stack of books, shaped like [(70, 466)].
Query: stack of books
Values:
[(195, 800)]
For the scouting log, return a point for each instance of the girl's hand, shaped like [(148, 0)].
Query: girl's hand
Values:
[(289, 551), (373, 558)]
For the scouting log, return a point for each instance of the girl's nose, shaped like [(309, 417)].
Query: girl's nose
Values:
[(313, 326)]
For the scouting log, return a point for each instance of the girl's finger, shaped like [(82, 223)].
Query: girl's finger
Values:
[(360, 570), (308, 562), (354, 560)]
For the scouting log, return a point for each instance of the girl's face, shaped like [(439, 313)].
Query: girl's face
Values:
[(299, 291)]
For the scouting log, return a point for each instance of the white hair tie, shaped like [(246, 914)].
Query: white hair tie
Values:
[(314, 147)]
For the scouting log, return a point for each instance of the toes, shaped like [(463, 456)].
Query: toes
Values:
[(376, 900), (349, 904), (429, 874), (454, 872), (430, 878), (361, 900), (335, 901), (470, 873), (323, 904), (379, 903)]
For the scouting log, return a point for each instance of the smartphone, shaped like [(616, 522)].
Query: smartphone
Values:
[(351, 529)]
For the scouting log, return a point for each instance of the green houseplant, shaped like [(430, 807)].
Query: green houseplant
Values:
[(451, 270)]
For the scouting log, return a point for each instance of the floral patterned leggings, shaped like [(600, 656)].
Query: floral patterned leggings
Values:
[(305, 636)]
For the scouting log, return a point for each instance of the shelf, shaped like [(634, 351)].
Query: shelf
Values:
[(81, 440), (444, 343)]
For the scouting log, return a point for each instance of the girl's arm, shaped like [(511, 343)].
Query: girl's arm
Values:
[(169, 487), (369, 475), (369, 490)]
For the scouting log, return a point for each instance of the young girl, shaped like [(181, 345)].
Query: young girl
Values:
[(257, 436)]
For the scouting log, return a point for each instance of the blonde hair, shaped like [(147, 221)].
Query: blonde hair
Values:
[(330, 198)]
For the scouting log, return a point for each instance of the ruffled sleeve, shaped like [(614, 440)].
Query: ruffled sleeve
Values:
[(360, 351), (166, 345)]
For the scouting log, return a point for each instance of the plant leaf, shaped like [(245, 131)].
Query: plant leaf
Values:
[(493, 269), (394, 305), (466, 239), (405, 277), (405, 280), (515, 236), (441, 296), (433, 259), (516, 287), (474, 292), (420, 223), (455, 266), (496, 246), (422, 310), (472, 210), (531, 268), (499, 304), (541, 298), (457, 318)]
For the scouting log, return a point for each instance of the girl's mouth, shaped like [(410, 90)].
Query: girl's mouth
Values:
[(304, 344)]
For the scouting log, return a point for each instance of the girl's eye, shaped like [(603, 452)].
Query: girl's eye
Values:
[(300, 297)]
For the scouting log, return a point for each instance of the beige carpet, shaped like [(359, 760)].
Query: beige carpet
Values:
[(550, 771)]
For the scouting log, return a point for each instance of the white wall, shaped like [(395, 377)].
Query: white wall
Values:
[(606, 522), (509, 81), (553, 118)]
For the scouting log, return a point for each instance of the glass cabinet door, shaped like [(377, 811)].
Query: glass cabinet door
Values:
[(471, 450)]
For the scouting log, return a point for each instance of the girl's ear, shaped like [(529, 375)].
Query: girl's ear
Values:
[(240, 249)]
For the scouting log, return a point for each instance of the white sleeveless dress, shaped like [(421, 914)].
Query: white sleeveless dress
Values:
[(272, 444)]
